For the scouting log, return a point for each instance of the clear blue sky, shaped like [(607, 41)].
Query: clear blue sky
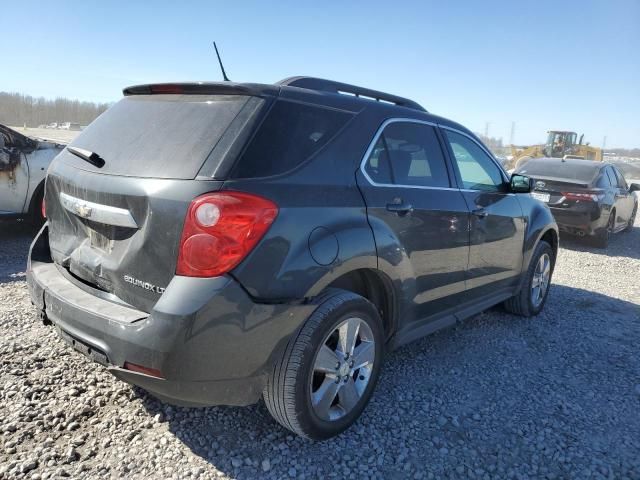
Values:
[(571, 65)]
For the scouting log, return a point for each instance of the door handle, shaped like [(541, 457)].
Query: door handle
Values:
[(400, 208), (480, 213)]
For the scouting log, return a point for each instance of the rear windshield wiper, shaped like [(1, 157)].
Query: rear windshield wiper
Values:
[(88, 156)]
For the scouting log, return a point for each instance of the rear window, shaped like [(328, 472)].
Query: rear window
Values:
[(161, 136), (408, 154), (290, 134), (583, 172)]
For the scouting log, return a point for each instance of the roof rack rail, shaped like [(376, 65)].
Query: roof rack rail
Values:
[(313, 83)]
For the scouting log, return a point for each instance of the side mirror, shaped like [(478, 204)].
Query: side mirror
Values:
[(520, 183), (634, 187)]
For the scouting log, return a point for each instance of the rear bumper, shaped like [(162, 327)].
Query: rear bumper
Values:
[(583, 221), (211, 342)]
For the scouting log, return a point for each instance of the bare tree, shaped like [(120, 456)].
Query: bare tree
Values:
[(19, 109)]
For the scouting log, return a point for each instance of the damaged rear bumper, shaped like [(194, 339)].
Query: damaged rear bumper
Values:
[(211, 343)]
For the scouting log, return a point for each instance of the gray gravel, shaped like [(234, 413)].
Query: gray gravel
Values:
[(557, 396)]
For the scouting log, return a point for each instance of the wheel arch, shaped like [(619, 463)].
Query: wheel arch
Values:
[(551, 237), (35, 195), (375, 286)]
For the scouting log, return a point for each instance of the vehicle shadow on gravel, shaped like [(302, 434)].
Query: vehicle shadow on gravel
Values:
[(623, 244), (495, 390), (15, 239)]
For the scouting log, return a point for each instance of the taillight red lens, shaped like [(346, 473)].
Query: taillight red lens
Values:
[(585, 196), (167, 88), (220, 229), (43, 209)]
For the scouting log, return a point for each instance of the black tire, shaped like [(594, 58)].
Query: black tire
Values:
[(521, 303), (288, 391), (601, 238), (35, 217), (632, 220)]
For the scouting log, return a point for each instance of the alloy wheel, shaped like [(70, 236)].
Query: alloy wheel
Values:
[(540, 281), (342, 369)]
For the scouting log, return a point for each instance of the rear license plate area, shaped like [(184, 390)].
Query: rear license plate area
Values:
[(543, 197), (101, 237), (99, 240)]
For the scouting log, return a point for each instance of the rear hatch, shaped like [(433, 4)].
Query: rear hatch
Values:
[(117, 227)]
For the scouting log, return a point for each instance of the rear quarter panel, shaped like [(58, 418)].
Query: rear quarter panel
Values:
[(320, 193)]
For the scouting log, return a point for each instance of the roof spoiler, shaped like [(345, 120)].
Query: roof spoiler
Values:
[(257, 89), (202, 88), (312, 83)]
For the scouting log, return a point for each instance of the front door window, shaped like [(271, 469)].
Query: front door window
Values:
[(477, 170)]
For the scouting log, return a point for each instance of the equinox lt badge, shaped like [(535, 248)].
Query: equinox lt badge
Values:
[(142, 284)]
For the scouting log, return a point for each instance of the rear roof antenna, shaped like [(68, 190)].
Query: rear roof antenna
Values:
[(224, 74)]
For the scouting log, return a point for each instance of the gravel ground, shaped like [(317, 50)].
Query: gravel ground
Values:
[(499, 396)]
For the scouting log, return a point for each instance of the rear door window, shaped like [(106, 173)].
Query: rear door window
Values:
[(603, 180), (377, 166), (291, 133), (408, 153), (160, 136)]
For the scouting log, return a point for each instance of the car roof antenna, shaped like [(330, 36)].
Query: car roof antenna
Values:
[(224, 74)]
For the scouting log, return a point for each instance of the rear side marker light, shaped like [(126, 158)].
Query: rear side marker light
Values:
[(220, 230), (152, 372)]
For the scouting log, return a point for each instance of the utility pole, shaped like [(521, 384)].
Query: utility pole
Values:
[(486, 130), (513, 133), (604, 143)]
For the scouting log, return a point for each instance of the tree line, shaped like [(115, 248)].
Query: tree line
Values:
[(19, 109), (625, 152)]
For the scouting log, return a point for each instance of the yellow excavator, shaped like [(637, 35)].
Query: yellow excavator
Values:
[(560, 144)]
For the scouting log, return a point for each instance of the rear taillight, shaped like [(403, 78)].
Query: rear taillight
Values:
[(43, 209), (220, 229), (585, 196)]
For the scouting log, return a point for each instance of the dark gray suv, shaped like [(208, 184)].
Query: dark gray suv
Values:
[(215, 243)]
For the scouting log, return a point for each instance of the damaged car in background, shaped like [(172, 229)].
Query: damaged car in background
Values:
[(23, 167)]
